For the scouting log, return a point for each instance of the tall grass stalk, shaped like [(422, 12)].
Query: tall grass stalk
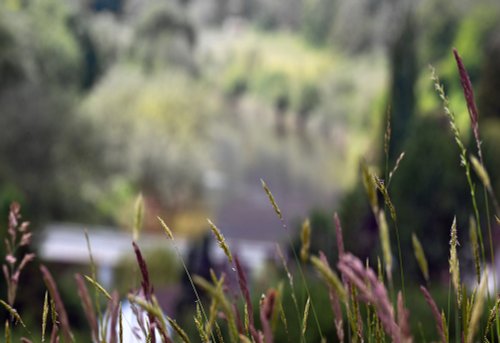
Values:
[(186, 270), (297, 261), (464, 161)]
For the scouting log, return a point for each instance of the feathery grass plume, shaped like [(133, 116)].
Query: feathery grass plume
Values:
[(469, 99), (88, 309), (404, 320), (217, 292), (166, 228), (497, 219), (477, 308), (305, 238), (267, 305), (491, 318), (13, 312), (221, 241), (372, 291), (338, 233), (58, 303), (271, 199), (385, 194), (420, 256), (440, 324), (369, 186), (396, 166), (335, 304), (463, 153), (98, 287), (475, 247), (388, 133), (198, 320), (386, 243), (45, 313), (305, 317), (53, 313), (147, 287), (18, 236), (454, 263), (182, 334), (329, 276), (139, 217), (356, 322)]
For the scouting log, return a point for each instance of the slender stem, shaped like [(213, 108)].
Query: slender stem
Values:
[(303, 278), (198, 299)]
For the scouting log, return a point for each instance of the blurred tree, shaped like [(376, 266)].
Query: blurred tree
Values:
[(164, 34), (46, 151), (317, 20), (403, 75), (154, 130)]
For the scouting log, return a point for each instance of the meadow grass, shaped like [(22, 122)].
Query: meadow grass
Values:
[(365, 304)]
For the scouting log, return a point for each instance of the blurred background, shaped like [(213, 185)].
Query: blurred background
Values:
[(191, 102)]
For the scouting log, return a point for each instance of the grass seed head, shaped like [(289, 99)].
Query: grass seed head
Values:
[(305, 238), (221, 240), (454, 263), (420, 256)]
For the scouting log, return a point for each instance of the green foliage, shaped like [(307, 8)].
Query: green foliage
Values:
[(154, 129)]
